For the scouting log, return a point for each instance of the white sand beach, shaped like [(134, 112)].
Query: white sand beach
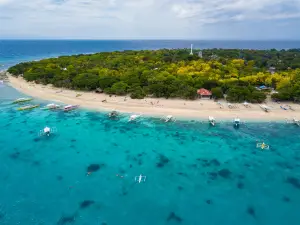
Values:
[(200, 109)]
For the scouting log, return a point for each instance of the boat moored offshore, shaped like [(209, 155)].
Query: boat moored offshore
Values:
[(51, 106), (27, 107), (70, 107), (20, 100)]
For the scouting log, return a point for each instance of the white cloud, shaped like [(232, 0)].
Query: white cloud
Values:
[(133, 18)]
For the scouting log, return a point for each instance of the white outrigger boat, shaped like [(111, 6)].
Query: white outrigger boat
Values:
[(20, 100), (133, 117), (47, 131), (246, 104), (262, 146), (212, 120), (265, 108), (70, 107), (140, 178), (113, 114), (27, 107), (51, 106), (169, 118), (294, 121), (237, 121)]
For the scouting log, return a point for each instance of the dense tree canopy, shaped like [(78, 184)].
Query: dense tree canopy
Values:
[(173, 73)]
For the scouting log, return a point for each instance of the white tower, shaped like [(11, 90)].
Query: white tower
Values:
[(200, 54), (191, 49)]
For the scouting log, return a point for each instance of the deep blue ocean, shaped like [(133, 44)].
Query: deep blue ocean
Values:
[(84, 174), (14, 51)]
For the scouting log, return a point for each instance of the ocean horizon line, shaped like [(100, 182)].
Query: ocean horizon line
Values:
[(141, 39)]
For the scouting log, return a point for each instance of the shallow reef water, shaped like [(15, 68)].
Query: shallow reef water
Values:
[(84, 174)]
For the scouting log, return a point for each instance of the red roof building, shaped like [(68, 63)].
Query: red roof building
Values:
[(203, 92)]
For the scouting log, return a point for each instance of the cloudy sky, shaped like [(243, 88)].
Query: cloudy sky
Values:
[(150, 19)]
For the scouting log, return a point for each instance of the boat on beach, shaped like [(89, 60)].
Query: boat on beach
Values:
[(70, 107), (212, 120), (27, 107), (51, 106), (20, 100), (265, 108)]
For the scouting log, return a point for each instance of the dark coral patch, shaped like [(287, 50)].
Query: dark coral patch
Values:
[(208, 201), (94, 167), (251, 211), (294, 181), (59, 177), (14, 155), (240, 185), (182, 174), (163, 160), (213, 175), (36, 139), (173, 216), (66, 220), (286, 199), (214, 162), (86, 203), (225, 173), (180, 188)]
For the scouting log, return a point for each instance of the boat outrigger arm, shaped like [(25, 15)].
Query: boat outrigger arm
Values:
[(140, 178), (262, 146)]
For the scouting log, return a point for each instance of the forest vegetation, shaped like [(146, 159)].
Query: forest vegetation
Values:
[(174, 73)]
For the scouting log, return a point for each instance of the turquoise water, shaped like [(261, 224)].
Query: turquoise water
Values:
[(196, 174)]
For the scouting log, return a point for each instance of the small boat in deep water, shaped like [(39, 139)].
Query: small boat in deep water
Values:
[(27, 107), (20, 100), (70, 107)]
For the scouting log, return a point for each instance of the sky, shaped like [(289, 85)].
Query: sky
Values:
[(150, 19)]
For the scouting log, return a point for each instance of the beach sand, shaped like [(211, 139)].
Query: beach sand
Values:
[(197, 109)]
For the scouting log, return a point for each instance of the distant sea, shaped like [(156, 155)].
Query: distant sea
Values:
[(84, 173), (15, 51)]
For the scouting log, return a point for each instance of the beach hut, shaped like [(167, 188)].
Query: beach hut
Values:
[(203, 93)]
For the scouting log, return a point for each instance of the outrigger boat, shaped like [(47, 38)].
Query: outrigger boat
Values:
[(47, 131), (212, 120), (169, 118), (113, 114), (133, 117), (262, 146), (28, 107), (20, 100), (294, 121), (265, 108), (70, 107), (140, 178), (51, 106), (236, 122)]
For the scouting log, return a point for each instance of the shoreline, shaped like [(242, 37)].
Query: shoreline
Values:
[(192, 109)]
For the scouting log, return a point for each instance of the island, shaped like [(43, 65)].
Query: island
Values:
[(168, 81), (174, 73)]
